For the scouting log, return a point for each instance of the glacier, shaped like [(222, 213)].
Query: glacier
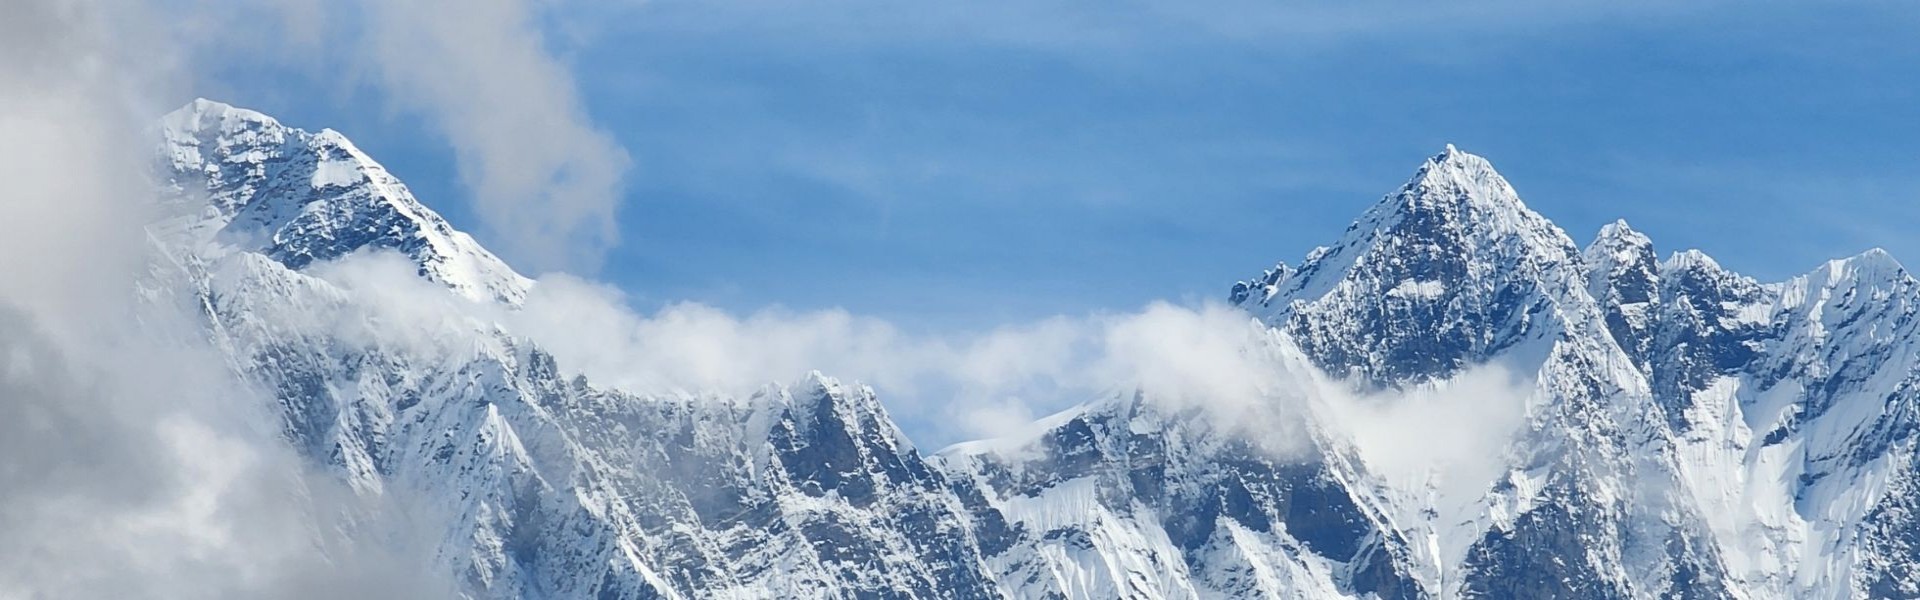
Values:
[(1675, 429)]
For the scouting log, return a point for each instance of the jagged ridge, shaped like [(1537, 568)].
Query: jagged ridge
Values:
[(1692, 433)]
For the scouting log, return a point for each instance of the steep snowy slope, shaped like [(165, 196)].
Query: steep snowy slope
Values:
[(544, 486), (1669, 429), (1122, 499), (1640, 454), (1450, 273), (1791, 408), (297, 197), (1689, 433)]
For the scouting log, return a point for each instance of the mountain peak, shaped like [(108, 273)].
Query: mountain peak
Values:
[(1455, 175), (1453, 255), (1880, 255), (1875, 264), (1620, 233), (1689, 260), (300, 197), (1619, 248), (1455, 158), (1455, 209), (1623, 275), (1456, 197), (208, 116)]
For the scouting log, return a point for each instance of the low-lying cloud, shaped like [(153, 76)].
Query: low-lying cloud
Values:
[(160, 478), (1195, 355), (137, 464), (133, 463), (1450, 433), (985, 384)]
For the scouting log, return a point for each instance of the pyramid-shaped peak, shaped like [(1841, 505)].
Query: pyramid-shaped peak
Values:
[(1454, 245), (1458, 203), (1457, 190), (1455, 176), (1623, 270), (1619, 229), (1618, 236)]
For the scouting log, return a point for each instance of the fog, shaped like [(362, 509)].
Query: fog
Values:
[(135, 463)]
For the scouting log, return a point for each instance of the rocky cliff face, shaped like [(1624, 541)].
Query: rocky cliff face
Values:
[(1685, 431)]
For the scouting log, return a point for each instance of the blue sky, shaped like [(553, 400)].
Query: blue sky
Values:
[(970, 164)]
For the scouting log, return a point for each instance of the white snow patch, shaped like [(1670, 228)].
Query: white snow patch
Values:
[(331, 173), (1418, 290)]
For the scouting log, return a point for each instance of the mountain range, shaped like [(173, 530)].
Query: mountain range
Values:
[(1673, 429)]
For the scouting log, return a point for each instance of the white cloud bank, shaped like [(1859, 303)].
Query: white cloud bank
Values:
[(986, 384), (132, 464)]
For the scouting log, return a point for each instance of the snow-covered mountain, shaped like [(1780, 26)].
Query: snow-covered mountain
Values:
[(247, 181), (1679, 430)]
